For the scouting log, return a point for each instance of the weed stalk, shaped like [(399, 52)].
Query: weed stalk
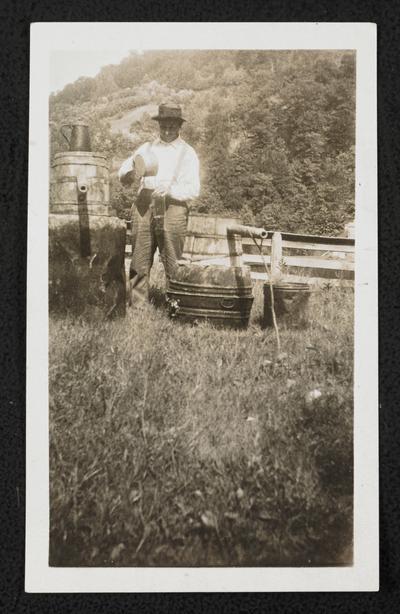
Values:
[(271, 288)]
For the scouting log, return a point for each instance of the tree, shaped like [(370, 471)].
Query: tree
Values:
[(274, 130)]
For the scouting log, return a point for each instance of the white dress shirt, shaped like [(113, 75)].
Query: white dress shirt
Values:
[(178, 169)]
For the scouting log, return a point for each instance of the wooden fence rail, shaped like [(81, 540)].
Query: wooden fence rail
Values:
[(320, 257)]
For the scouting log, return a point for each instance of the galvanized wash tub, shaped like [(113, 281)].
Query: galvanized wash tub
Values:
[(223, 295), (291, 302)]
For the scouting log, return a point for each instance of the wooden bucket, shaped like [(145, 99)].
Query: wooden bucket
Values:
[(77, 173), (220, 294), (207, 238), (146, 164)]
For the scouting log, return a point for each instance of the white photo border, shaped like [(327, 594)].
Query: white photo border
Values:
[(364, 574)]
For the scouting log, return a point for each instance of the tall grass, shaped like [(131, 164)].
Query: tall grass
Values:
[(187, 445)]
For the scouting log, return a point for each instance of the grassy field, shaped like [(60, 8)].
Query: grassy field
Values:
[(178, 445)]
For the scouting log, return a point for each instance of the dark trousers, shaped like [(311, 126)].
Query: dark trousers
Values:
[(148, 233)]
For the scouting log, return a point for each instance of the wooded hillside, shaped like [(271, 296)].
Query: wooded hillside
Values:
[(274, 130)]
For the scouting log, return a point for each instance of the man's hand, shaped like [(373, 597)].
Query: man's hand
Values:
[(127, 179)]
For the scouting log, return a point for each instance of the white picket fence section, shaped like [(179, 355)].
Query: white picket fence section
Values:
[(325, 258)]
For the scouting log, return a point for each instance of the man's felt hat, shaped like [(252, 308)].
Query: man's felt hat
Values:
[(169, 112)]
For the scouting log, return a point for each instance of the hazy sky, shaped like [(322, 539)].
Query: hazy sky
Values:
[(67, 66)]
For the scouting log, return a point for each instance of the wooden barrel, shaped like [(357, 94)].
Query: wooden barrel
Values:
[(77, 173), (220, 294), (207, 238)]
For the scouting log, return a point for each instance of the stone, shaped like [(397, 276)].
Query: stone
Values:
[(313, 395), (86, 265)]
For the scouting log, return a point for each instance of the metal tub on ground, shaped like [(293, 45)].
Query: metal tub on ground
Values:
[(219, 294), (210, 282)]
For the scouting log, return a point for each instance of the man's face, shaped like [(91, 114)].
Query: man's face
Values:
[(169, 129)]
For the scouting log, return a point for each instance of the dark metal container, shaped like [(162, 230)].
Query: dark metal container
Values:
[(220, 294), (291, 301), (79, 137)]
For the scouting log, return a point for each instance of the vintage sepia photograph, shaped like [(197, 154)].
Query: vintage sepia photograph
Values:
[(201, 285)]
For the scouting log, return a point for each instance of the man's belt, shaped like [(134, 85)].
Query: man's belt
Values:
[(145, 197), (173, 201)]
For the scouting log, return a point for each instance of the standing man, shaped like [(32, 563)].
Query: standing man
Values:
[(159, 217)]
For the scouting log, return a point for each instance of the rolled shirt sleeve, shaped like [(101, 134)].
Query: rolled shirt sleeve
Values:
[(126, 168)]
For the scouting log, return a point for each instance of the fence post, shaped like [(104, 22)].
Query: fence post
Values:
[(276, 256)]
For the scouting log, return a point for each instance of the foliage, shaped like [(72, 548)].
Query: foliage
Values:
[(275, 131), (215, 458)]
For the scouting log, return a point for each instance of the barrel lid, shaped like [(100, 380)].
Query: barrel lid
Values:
[(210, 274), (210, 267)]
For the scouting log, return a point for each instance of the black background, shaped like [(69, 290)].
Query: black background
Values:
[(14, 120)]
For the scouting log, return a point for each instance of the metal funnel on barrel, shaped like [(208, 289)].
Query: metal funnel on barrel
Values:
[(79, 136)]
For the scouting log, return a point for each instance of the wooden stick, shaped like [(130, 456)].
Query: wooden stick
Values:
[(276, 256), (271, 289)]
